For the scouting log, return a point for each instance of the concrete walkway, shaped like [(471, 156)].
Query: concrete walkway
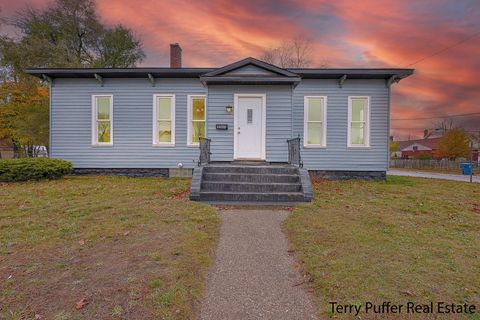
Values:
[(433, 175), (254, 277)]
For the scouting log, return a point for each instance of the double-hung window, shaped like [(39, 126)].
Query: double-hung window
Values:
[(102, 124), (315, 121), (164, 119), (358, 122), (196, 119)]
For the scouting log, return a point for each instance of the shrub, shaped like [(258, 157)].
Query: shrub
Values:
[(33, 169), (424, 156)]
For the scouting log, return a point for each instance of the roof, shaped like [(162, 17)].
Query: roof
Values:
[(429, 143), (224, 74)]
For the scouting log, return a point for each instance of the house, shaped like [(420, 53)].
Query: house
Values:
[(6, 149), (411, 149), (150, 120)]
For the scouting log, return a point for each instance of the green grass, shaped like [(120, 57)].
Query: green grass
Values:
[(406, 239), (132, 246)]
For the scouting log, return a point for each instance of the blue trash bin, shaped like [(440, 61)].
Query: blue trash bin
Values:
[(466, 168)]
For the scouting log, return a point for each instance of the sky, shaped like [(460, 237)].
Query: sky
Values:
[(367, 33)]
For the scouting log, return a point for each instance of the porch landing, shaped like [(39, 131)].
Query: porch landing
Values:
[(250, 182)]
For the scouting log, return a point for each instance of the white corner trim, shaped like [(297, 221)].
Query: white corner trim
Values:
[(155, 143), (190, 97), (236, 97), (366, 145), (305, 120), (95, 142)]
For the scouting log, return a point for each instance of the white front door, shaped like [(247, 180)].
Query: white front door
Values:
[(249, 127)]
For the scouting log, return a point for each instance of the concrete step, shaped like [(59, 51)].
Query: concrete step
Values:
[(225, 196), (251, 186), (251, 177), (252, 169)]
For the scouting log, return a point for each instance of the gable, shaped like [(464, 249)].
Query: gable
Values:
[(250, 70), (250, 66), (418, 146)]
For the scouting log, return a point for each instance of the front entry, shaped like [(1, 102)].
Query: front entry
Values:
[(249, 126)]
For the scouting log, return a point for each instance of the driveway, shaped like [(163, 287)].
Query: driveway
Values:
[(254, 276), (432, 175)]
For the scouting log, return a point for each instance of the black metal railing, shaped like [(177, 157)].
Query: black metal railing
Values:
[(294, 152), (204, 151)]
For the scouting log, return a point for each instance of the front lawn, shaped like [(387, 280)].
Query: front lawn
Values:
[(407, 239), (103, 248)]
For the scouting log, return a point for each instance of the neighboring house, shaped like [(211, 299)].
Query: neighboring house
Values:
[(152, 118), (6, 149), (411, 149)]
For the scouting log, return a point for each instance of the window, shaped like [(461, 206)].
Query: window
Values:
[(315, 121), (358, 121), (249, 115), (102, 124), (196, 119), (164, 119)]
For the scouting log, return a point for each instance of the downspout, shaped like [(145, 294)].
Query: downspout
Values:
[(388, 128), (291, 111), (49, 149)]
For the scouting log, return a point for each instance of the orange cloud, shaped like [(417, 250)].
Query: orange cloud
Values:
[(345, 33)]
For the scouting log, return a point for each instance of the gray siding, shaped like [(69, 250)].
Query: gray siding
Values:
[(132, 117), (279, 119), (132, 122), (250, 70), (336, 156)]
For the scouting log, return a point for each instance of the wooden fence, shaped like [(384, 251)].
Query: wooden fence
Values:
[(427, 164)]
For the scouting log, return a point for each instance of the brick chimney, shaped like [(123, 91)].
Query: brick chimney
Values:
[(175, 55)]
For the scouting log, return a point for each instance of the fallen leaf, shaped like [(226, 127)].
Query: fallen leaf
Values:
[(81, 242), (296, 264), (408, 293), (179, 195), (476, 207), (38, 317), (126, 233), (82, 303)]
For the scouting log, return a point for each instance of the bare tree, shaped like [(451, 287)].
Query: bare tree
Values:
[(445, 125), (293, 53)]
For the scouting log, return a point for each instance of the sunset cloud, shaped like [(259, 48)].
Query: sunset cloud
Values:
[(368, 33)]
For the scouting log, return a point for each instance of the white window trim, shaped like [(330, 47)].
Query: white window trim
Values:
[(305, 122), (367, 123), (94, 121), (190, 97), (155, 142)]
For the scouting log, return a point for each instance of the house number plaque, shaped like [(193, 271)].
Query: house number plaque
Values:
[(221, 126)]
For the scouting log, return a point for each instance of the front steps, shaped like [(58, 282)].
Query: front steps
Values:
[(250, 182)]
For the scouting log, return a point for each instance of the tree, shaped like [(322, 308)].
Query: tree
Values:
[(24, 116), (68, 34), (444, 125), (394, 147), (424, 156), (454, 144), (294, 53)]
